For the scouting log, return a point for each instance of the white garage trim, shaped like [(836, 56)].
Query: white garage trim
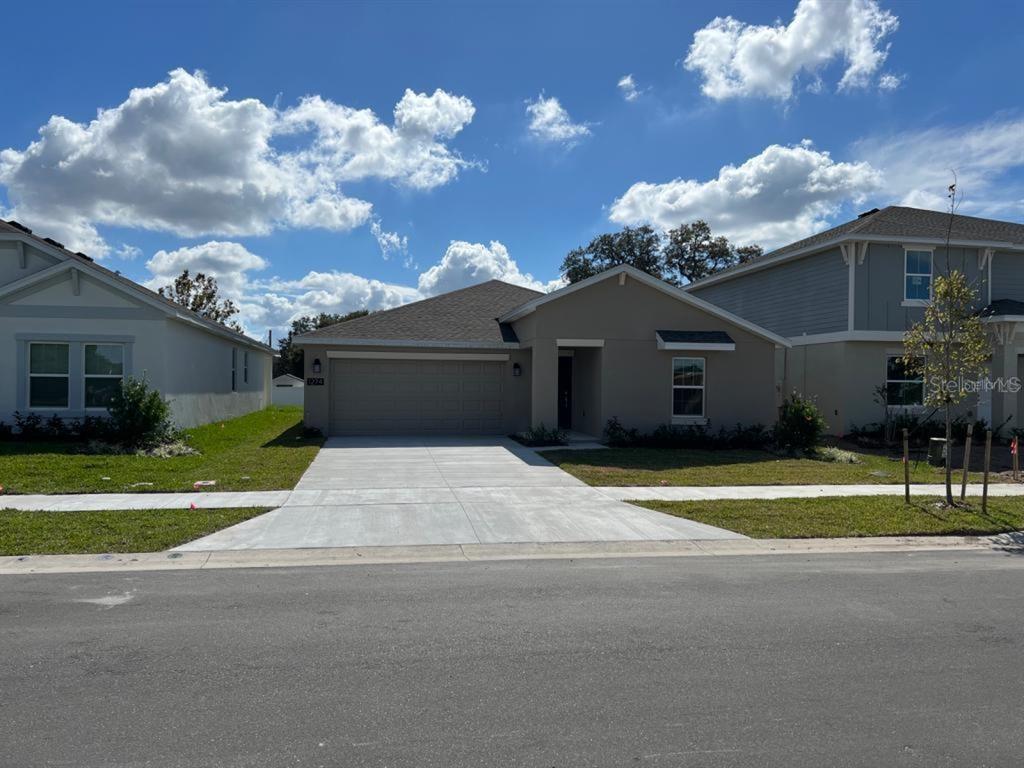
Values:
[(466, 356)]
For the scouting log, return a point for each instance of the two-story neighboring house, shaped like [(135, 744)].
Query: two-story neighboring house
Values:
[(844, 298)]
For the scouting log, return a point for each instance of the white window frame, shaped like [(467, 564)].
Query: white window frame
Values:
[(29, 375), (907, 250), (689, 418), (100, 408), (900, 406), (234, 369)]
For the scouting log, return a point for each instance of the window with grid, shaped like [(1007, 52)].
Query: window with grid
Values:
[(48, 375), (104, 371), (688, 387)]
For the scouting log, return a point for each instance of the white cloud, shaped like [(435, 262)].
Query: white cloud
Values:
[(737, 59), (181, 157), (889, 82), (919, 166), (628, 88), (128, 252), (780, 195), (550, 122), (275, 302), (229, 262), (465, 264), (390, 243)]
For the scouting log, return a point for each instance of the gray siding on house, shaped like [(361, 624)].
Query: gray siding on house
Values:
[(1008, 276), (879, 286), (805, 296)]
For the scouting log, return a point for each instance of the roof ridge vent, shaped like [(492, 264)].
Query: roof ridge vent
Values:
[(867, 213), (85, 256), (51, 241), (19, 225)]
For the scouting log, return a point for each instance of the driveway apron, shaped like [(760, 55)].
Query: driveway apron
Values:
[(393, 491)]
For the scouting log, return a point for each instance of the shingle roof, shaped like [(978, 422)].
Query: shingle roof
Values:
[(898, 221), (464, 316), (14, 227), (695, 337), (1003, 307)]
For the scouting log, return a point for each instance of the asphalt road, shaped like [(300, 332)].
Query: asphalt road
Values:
[(850, 660)]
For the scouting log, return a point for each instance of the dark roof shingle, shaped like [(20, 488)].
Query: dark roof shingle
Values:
[(695, 337), (900, 221), (465, 316)]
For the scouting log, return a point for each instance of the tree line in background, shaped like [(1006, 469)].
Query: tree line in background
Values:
[(679, 256)]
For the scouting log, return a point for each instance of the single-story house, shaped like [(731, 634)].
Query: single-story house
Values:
[(497, 358), (71, 330), (286, 389)]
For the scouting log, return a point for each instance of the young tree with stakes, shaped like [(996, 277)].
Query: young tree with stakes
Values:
[(948, 346)]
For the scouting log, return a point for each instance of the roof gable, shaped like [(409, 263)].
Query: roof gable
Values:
[(893, 223), (653, 282), (466, 317), (12, 231)]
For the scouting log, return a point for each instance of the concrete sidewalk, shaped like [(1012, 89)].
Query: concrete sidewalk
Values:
[(311, 497), (708, 493), (452, 553)]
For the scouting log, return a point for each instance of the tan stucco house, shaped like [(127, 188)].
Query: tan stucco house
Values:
[(71, 330), (497, 358)]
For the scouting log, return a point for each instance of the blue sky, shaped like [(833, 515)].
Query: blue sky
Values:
[(333, 156)]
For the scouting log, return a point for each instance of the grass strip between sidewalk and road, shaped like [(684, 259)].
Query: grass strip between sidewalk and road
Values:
[(80, 533), (262, 451), (830, 517), (684, 466)]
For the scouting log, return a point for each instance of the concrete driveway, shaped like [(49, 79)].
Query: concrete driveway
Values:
[(408, 491)]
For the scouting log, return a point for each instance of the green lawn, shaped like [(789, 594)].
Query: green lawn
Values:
[(261, 451), (857, 516), (147, 530), (678, 466)]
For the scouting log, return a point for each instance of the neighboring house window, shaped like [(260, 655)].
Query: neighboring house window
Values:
[(904, 385), (48, 375), (918, 276), (104, 371), (688, 387), (245, 367), (234, 369)]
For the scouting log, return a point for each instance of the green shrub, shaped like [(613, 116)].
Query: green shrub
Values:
[(540, 435), (800, 425), (618, 436), (139, 416)]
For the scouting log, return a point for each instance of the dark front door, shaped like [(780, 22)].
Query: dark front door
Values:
[(565, 393)]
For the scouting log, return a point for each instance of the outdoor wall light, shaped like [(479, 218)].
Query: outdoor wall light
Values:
[(316, 365), (517, 369)]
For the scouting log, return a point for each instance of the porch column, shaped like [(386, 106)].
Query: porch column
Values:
[(1004, 404), (544, 384)]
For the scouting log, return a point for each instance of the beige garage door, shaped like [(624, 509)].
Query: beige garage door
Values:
[(415, 397)]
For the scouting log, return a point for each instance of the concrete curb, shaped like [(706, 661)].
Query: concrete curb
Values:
[(294, 558)]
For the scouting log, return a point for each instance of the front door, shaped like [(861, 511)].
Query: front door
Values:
[(565, 393)]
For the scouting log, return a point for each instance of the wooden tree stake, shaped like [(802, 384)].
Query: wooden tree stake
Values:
[(967, 461), (988, 461), (906, 465)]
